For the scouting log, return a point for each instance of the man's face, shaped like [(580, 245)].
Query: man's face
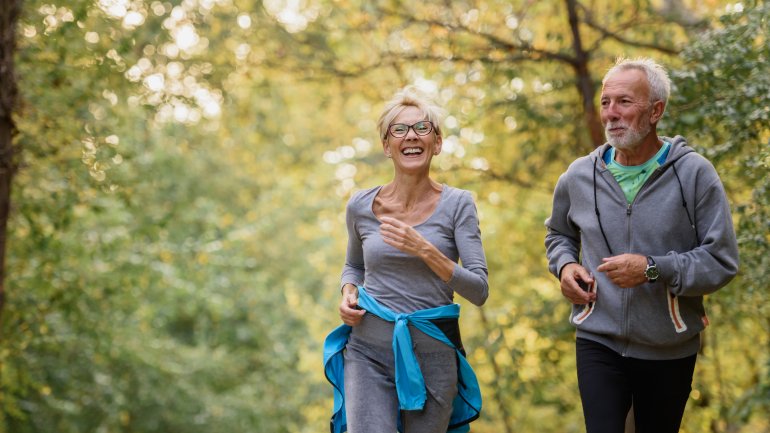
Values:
[(626, 108)]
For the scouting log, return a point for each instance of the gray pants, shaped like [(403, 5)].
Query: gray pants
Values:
[(370, 391)]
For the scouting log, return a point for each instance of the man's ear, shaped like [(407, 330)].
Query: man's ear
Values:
[(658, 107)]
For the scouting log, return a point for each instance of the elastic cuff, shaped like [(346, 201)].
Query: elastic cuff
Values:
[(667, 268), (347, 282), (455, 276)]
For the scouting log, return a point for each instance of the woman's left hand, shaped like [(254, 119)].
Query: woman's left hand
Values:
[(405, 238), (402, 236)]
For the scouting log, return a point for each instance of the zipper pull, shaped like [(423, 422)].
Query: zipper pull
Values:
[(628, 210)]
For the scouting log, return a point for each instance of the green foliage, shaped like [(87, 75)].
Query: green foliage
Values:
[(722, 102), (148, 289), (178, 226)]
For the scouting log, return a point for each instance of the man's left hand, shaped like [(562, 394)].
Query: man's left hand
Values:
[(625, 270)]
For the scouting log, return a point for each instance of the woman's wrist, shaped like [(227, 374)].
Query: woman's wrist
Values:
[(349, 288)]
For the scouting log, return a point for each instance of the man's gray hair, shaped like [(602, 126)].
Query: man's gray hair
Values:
[(657, 77)]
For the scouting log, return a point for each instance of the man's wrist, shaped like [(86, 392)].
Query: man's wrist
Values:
[(561, 270), (651, 272)]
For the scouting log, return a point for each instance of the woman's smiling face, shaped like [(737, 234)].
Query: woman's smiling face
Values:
[(412, 151)]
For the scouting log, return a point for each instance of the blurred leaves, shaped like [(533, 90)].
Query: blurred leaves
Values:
[(178, 226), (723, 100)]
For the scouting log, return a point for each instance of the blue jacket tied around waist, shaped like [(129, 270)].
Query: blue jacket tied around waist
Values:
[(410, 386)]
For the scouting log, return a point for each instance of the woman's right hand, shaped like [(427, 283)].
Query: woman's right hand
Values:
[(349, 311)]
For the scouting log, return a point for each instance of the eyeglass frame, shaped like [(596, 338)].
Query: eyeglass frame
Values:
[(408, 127)]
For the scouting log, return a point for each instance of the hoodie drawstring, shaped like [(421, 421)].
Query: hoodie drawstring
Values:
[(681, 192), (684, 204)]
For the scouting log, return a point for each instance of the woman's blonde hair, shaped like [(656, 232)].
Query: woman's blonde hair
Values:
[(410, 96)]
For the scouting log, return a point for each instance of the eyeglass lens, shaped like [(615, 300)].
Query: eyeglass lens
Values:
[(399, 130)]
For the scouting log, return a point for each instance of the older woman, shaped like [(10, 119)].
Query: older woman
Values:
[(403, 365)]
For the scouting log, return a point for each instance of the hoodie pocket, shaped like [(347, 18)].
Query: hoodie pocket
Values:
[(673, 312), (582, 312)]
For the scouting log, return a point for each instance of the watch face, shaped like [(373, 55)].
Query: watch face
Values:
[(651, 273)]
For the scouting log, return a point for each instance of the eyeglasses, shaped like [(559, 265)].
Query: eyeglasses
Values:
[(398, 130)]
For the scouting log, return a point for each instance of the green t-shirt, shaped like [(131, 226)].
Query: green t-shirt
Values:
[(631, 178)]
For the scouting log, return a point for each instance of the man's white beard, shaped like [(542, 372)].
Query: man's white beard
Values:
[(630, 138)]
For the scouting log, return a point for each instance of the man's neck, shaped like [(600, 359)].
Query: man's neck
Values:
[(640, 153)]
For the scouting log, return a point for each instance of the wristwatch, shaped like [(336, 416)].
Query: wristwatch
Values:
[(651, 272)]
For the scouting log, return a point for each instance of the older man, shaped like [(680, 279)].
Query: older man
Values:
[(640, 231)]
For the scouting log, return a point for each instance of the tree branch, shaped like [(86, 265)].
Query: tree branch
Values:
[(584, 80), (607, 33), (494, 40)]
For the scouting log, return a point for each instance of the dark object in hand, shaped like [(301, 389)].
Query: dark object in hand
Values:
[(583, 285)]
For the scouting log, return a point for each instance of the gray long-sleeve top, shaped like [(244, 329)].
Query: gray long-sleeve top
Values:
[(403, 282)]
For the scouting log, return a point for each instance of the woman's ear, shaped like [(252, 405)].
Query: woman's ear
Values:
[(438, 145), (385, 149)]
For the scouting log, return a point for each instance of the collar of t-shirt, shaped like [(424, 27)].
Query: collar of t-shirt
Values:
[(631, 178)]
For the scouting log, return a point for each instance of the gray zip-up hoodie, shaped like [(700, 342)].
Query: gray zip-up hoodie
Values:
[(660, 320)]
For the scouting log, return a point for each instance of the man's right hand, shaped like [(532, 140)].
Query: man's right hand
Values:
[(572, 274), (348, 306)]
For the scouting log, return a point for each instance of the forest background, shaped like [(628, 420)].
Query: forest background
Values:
[(176, 172)]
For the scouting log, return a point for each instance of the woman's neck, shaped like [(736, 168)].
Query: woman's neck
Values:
[(408, 190)]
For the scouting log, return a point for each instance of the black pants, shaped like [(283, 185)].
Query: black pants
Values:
[(609, 383)]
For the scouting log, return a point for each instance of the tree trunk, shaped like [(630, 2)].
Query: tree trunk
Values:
[(587, 91), (9, 14), (584, 81), (497, 392)]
